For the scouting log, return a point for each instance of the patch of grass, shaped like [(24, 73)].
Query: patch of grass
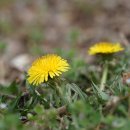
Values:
[(75, 102)]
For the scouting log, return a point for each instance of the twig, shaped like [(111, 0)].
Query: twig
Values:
[(98, 127), (8, 96), (62, 110)]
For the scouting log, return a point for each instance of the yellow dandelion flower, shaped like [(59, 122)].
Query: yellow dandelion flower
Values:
[(47, 66), (105, 48)]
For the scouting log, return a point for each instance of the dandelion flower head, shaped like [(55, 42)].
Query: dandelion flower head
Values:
[(105, 48), (50, 65)]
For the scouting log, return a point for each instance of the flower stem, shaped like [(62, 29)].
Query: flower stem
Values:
[(104, 76)]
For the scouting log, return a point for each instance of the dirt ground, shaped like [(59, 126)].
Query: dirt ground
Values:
[(27, 25)]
